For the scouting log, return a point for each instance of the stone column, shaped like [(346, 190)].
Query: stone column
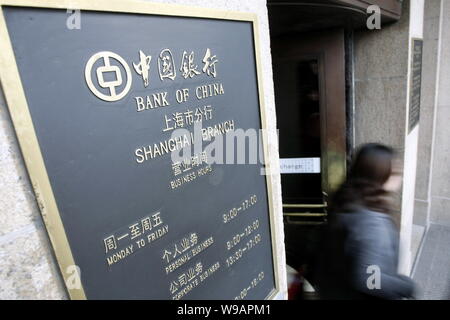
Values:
[(382, 71)]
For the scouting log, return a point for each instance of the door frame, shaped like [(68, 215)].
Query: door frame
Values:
[(328, 47)]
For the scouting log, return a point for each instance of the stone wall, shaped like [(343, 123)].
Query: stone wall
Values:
[(431, 39), (27, 265), (382, 70), (381, 78), (440, 162)]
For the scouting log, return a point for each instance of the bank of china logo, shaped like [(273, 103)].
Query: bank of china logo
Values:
[(114, 87)]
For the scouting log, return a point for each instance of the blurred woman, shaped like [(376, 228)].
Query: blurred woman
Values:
[(360, 250)]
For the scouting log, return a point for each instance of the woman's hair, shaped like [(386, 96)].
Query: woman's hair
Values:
[(370, 169)]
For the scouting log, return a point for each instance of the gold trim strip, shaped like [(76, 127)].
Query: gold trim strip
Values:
[(300, 214), (133, 6), (306, 223), (307, 206), (264, 125), (29, 145)]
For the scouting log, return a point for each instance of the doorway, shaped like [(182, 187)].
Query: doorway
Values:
[(310, 95)]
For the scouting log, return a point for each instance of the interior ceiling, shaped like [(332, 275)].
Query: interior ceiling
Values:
[(296, 17)]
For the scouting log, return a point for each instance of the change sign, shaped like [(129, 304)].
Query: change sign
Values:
[(127, 119)]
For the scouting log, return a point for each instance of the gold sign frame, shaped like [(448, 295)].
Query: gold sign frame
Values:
[(27, 138)]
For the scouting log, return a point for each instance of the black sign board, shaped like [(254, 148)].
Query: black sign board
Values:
[(120, 120), (416, 83)]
